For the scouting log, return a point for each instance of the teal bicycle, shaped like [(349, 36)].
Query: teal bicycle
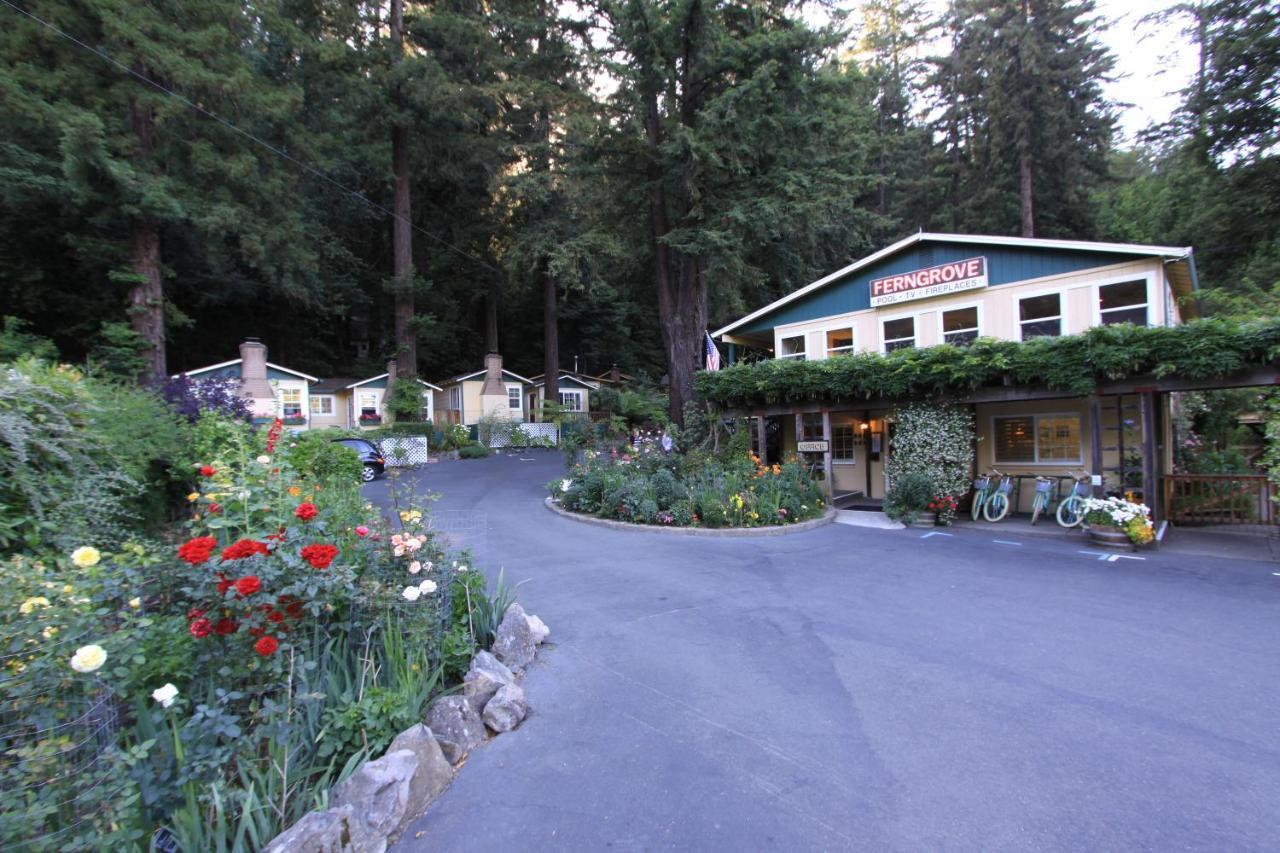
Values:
[(998, 504), (1040, 504), (982, 492), (1071, 511)]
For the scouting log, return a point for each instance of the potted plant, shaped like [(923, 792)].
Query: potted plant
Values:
[(1114, 522), (370, 419), (943, 508), (908, 500)]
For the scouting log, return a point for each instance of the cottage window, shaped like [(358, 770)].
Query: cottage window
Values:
[(843, 442), (1040, 316), (368, 404), (899, 334), (960, 326), (571, 400), (291, 402), (793, 347), (513, 397), (322, 404), (811, 427), (1037, 439), (839, 342), (1125, 302), (455, 398)]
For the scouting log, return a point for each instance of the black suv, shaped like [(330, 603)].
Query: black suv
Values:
[(370, 456)]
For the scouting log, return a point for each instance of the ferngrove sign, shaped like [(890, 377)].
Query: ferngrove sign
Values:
[(930, 281)]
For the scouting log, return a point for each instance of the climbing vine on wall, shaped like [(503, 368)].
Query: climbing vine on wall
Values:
[(936, 441)]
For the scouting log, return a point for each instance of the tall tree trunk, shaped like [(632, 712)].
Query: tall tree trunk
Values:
[(146, 297), (1025, 176), (401, 229), (550, 337)]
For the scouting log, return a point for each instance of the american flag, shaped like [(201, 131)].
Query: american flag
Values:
[(713, 354)]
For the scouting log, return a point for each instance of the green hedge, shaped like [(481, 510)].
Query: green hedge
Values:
[(1199, 350)]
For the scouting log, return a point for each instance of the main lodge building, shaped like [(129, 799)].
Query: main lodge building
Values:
[(931, 289)]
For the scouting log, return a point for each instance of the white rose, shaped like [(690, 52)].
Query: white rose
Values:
[(427, 587), (415, 567), (165, 695), (264, 459), (411, 593), (88, 658)]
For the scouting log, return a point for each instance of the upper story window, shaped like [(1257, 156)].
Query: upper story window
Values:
[(839, 342), (793, 347), (960, 325), (291, 402), (321, 404), (1040, 316), (1125, 302), (899, 334), (513, 397)]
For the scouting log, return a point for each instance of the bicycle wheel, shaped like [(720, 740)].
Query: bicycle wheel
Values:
[(1037, 507), (997, 507), (1069, 514), (976, 509)]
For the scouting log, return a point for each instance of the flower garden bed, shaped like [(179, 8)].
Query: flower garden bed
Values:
[(666, 490), (773, 530)]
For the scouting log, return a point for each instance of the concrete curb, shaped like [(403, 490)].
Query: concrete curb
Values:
[(781, 530)]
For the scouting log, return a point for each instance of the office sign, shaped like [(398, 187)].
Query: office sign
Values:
[(930, 281), (812, 446)]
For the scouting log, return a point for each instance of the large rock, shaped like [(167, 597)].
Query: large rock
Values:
[(513, 643), (434, 772), (506, 709), (539, 629), (485, 677), (456, 725), (382, 792), (337, 830)]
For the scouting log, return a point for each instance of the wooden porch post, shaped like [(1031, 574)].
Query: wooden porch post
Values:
[(826, 457), (1150, 470), (1095, 441), (760, 441)]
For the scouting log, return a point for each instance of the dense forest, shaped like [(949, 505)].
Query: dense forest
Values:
[(597, 181)]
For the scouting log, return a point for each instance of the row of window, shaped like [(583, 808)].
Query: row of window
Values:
[(1038, 316)]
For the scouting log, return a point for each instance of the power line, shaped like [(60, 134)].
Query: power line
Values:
[(106, 57)]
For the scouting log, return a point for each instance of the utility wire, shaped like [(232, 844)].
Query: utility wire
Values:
[(106, 57)]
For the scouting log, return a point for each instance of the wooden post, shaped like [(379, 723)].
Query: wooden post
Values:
[(1095, 440), (1149, 467), (826, 457), (760, 440), (866, 449)]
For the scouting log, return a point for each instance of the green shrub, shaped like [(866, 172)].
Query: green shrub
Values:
[(317, 457), (908, 496), (473, 451), (405, 400)]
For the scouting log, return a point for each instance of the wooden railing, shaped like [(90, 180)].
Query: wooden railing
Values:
[(1200, 499)]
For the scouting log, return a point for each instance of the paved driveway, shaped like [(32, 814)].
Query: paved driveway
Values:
[(856, 689)]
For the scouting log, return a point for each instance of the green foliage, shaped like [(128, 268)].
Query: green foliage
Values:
[(1200, 350), (16, 342), (317, 457), (932, 444), (404, 399), (636, 408), (908, 496), (118, 351), (473, 451)]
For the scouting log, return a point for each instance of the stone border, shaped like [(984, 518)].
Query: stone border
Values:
[(773, 530)]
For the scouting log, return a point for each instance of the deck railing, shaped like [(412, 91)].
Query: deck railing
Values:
[(1202, 499)]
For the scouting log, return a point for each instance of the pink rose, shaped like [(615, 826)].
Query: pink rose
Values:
[(362, 531)]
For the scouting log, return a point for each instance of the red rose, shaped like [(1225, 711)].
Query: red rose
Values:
[(194, 613), (225, 626), (224, 584), (198, 550), (275, 616), (248, 585), (215, 508), (244, 548), (257, 632), (200, 628), (207, 471), (266, 646), (305, 511), (292, 606), (319, 556)]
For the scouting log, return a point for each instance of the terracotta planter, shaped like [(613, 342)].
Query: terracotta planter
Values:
[(1107, 536)]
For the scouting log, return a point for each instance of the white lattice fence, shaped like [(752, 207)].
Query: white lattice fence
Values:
[(405, 452), (521, 435)]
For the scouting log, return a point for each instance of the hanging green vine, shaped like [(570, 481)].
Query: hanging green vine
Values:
[(1199, 350)]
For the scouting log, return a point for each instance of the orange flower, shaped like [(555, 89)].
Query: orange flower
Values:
[(295, 491)]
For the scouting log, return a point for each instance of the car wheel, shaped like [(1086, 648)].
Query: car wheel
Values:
[(369, 474)]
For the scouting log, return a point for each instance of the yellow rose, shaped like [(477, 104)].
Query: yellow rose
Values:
[(88, 658), (86, 556), (193, 497), (32, 603), (135, 602), (49, 632)]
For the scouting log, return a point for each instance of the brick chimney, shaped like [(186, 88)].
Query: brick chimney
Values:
[(253, 378), (615, 375), (493, 384)]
